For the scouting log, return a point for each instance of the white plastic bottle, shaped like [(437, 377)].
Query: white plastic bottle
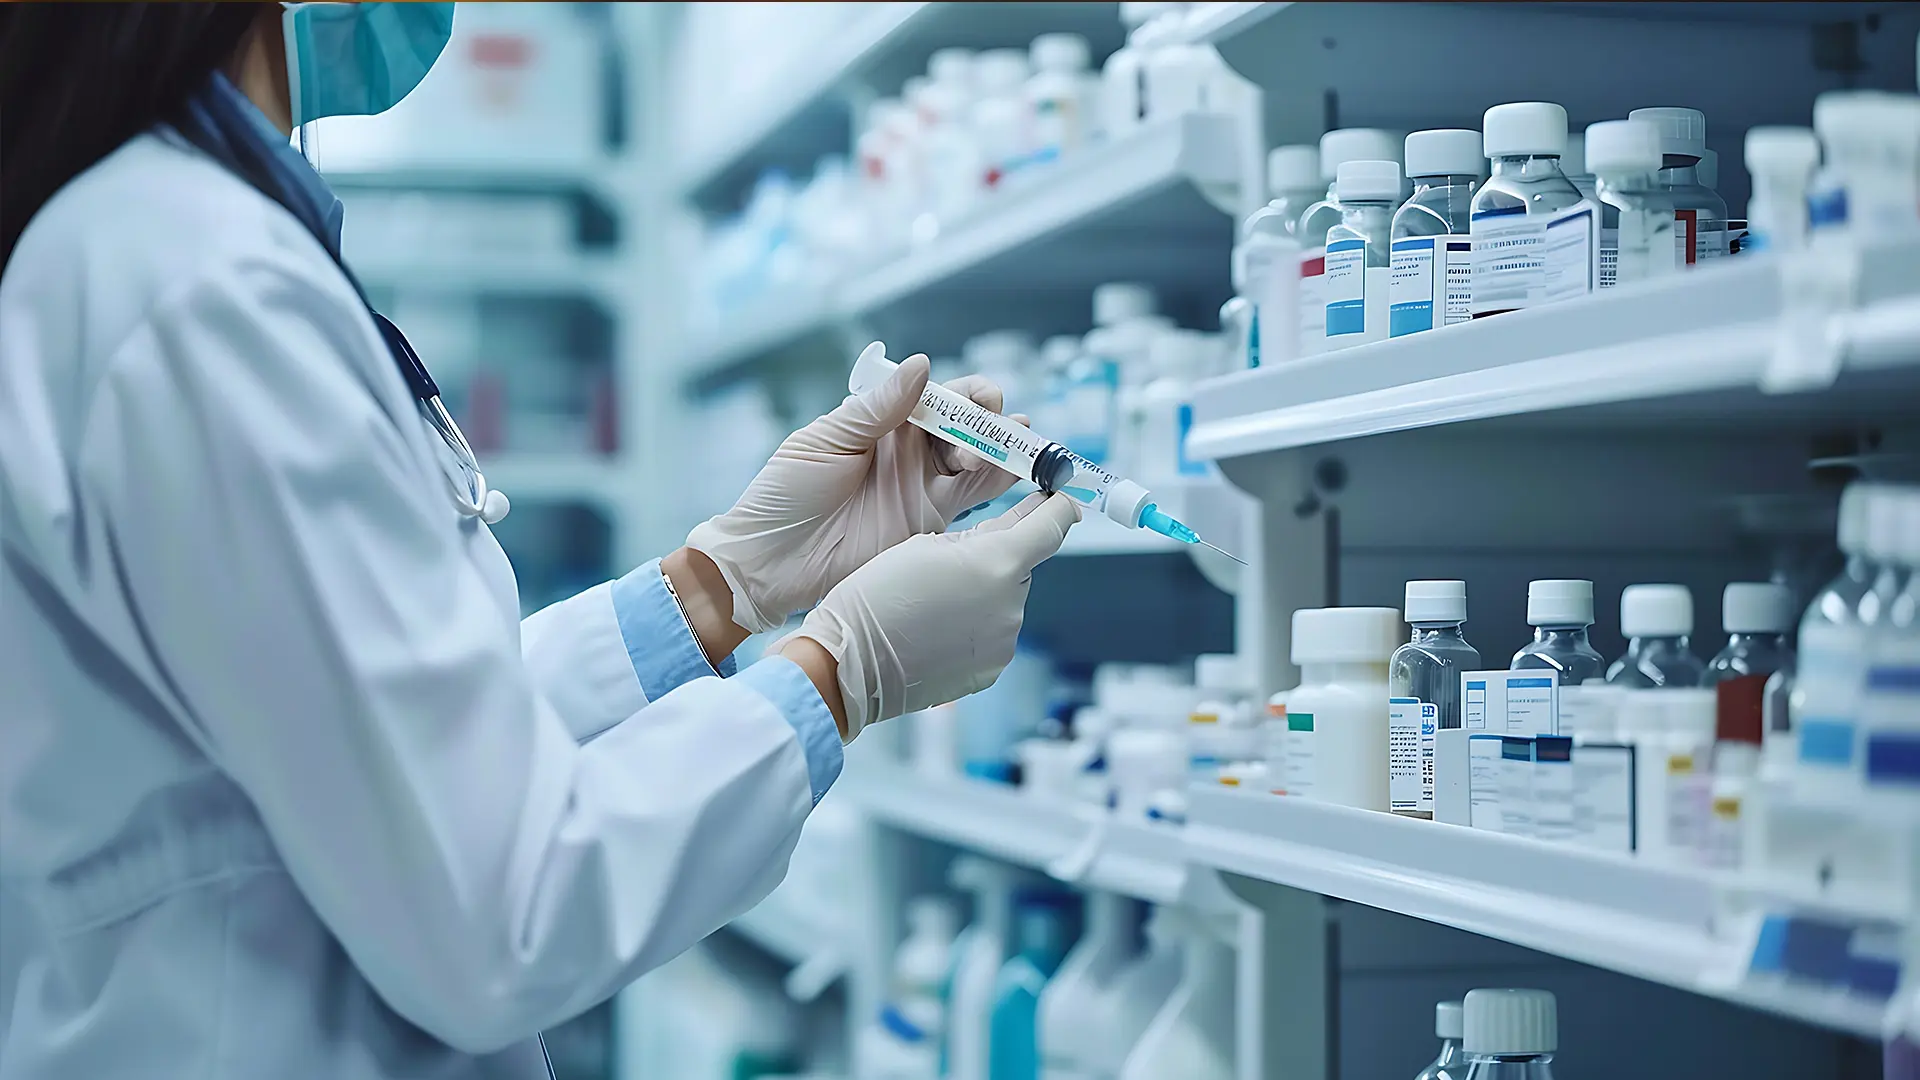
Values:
[(1178, 359), (1222, 729), (1057, 355), (1868, 184), (1449, 1023), (1123, 80), (1185, 77), (1122, 336), (1134, 998), (999, 114), (1359, 264), (1266, 260), (1890, 707), (1192, 1035), (1535, 239), (950, 161), (921, 963), (1056, 97), (978, 954), (1682, 766), (1780, 161), (904, 1042), (1074, 1010), (1636, 214), (1432, 282), (1700, 231), (1510, 1034), (1658, 623), (1336, 742), (1336, 149)]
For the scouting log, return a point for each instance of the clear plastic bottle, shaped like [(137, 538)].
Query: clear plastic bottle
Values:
[(1780, 161), (1817, 731), (1516, 265), (1701, 214), (1510, 1034), (1758, 617), (1266, 259), (1423, 681), (1449, 1023), (1636, 213), (1432, 243), (1657, 620), (1336, 149), (1360, 253), (1890, 706), (1574, 163), (1560, 611)]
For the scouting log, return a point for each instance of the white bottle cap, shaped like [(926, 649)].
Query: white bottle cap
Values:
[(1756, 607), (1525, 127), (1656, 611), (1059, 53), (1560, 602), (1355, 144), (1449, 1019), (1125, 500), (1573, 160), (1436, 601), (1059, 350), (1510, 1022), (1852, 534), (1444, 152), (1368, 181), (1785, 151), (1708, 171), (1884, 524), (1356, 635), (1118, 301), (999, 71), (1847, 116), (1623, 146), (1221, 671), (1293, 168), (952, 67), (1683, 132)]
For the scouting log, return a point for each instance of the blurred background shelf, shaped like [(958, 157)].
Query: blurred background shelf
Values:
[(599, 480)]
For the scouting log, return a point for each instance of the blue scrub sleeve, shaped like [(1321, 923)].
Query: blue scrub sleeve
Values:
[(663, 648), (781, 681)]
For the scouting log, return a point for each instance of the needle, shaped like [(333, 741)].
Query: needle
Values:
[(1222, 551)]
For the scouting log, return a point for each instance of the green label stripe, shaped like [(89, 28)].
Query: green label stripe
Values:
[(992, 451), (1299, 721)]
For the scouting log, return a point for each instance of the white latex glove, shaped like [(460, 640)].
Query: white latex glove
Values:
[(841, 490), (934, 619)]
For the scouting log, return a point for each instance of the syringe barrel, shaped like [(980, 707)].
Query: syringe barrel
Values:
[(954, 418)]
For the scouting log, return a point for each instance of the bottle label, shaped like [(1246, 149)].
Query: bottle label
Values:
[(1689, 792), (1609, 258), (1570, 253), (1506, 259), (1411, 724), (1554, 785), (1312, 301), (1832, 671), (1302, 767), (1431, 284), (1345, 288), (1273, 284), (1643, 250), (1483, 782), (1603, 796), (1183, 464)]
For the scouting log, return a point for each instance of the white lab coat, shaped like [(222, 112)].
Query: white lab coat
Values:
[(287, 790)]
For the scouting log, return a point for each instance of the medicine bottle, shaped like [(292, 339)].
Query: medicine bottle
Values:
[(1872, 139), (1360, 254), (1573, 162), (1335, 748), (1336, 149), (1510, 1034), (1449, 1023), (1658, 622), (1090, 394), (1636, 214), (1700, 213), (1423, 681), (1266, 260), (1432, 283), (1514, 210), (1780, 162), (1057, 103), (1560, 611), (999, 115)]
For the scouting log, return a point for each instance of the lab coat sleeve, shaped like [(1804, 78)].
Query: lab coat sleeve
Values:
[(599, 656), (316, 623)]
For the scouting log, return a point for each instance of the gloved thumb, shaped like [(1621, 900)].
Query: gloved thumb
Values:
[(1032, 531), (862, 420)]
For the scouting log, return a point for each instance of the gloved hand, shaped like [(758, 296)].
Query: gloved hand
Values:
[(841, 490), (934, 619)]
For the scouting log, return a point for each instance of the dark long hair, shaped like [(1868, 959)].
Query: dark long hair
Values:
[(78, 80)]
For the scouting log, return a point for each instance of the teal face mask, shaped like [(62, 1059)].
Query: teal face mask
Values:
[(360, 59)]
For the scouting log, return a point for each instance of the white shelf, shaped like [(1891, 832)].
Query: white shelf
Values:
[(1696, 346), (814, 945), (1668, 924), (589, 478), (1210, 24), (1132, 210), (595, 276)]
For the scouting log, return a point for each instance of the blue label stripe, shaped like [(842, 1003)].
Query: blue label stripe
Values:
[(1826, 742), (1413, 244), (1504, 211), (1346, 317), (1899, 680), (1529, 684), (1346, 245), (1893, 758), (1410, 317)]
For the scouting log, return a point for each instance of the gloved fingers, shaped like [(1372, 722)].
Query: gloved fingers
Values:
[(1037, 531), (1007, 520), (860, 421), (983, 392), (951, 495)]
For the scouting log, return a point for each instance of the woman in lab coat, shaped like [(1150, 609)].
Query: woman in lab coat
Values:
[(287, 788)]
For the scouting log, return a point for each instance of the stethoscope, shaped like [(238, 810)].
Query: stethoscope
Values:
[(468, 487)]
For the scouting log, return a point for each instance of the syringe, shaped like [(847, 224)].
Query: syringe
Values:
[(955, 418)]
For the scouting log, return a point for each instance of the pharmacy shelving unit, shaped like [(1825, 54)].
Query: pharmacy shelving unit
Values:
[(1601, 438)]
